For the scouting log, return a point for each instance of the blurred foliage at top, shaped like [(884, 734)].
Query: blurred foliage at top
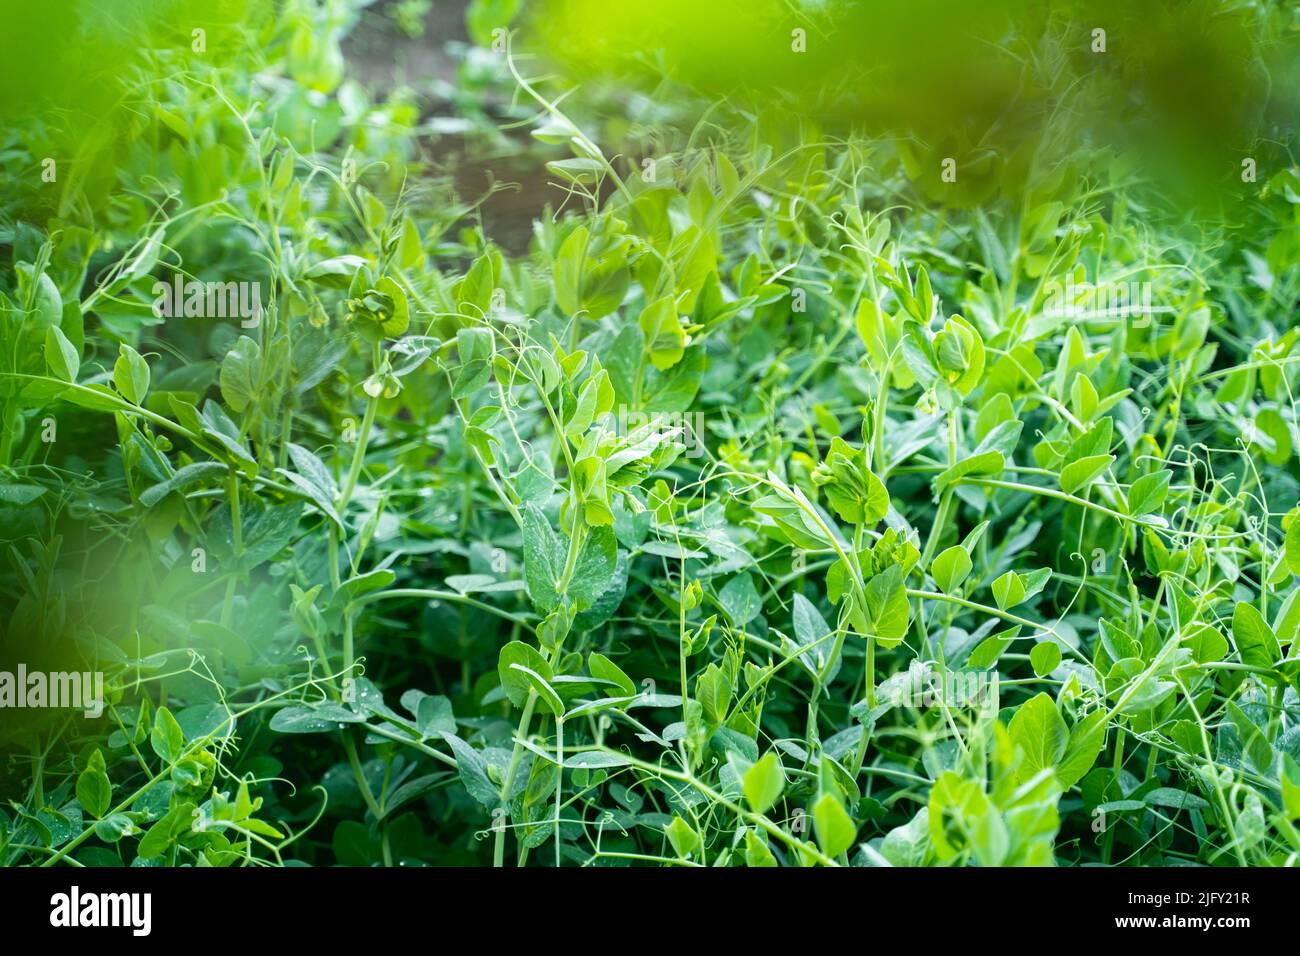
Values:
[(1186, 88), (1009, 90)]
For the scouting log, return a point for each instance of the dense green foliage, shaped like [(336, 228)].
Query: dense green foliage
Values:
[(766, 504)]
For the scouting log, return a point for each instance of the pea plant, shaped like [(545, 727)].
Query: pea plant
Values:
[(763, 506)]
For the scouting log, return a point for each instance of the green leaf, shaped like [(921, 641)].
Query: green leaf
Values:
[(684, 840), (810, 629), (1237, 386), (410, 251), (1290, 787), (240, 372), (602, 667), (586, 281), (1087, 739), (167, 739), (740, 600), (1045, 658), (544, 559), (399, 320), (314, 479), (835, 828), (359, 586), (579, 169), (793, 523), (513, 680), (664, 336), (950, 568), (112, 828), (1093, 443), (1275, 428), (989, 456), (584, 410), (434, 717), (713, 690), (757, 853), (353, 844), (473, 772), (316, 718), (984, 463), (1286, 625), (1037, 728), (156, 840), (474, 291), (1292, 548), (185, 477), (337, 272), (1079, 474), (1008, 590), (131, 375), (178, 821), (61, 355), (267, 529), (988, 651), (1255, 640), (542, 686), (595, 760), (21, 494), (94, 791), (763, 782), (1034, 581), (1253, 742), (888, 613), (1175, 799), (1148, 493), (594, 573)]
